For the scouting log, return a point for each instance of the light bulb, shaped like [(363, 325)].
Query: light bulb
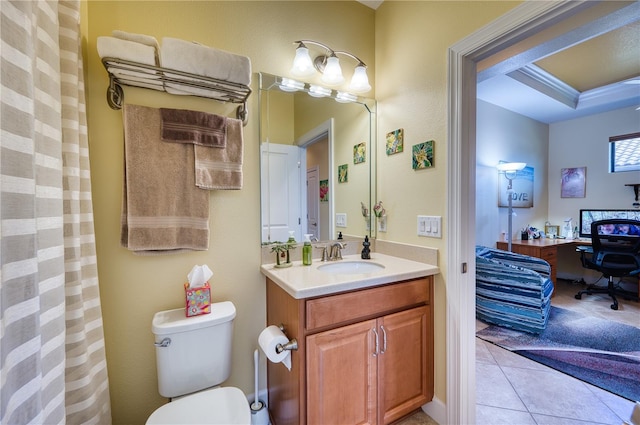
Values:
[(360, 81), (332, 74)]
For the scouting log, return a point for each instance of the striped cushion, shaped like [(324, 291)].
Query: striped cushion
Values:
[(512, 290)]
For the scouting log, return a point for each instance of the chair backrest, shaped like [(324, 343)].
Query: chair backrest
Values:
[(616, 240)]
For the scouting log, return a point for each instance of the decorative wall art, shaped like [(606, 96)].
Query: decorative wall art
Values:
[(324, 190), (573, 182), (343, 173), (360, 153), (423, 155), (395, 141), (522, 189)]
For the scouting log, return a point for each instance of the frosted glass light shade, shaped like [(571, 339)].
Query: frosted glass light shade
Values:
[(302, 65), (319, 91), (291, 85), (511, 166), (332, 74), (344, 97), (360, 81)]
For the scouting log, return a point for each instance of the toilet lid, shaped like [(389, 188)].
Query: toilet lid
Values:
[(226, 405)]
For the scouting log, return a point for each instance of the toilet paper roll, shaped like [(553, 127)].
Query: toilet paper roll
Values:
[(269, 338)]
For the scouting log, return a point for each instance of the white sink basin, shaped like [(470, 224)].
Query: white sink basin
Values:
[(351, 267)]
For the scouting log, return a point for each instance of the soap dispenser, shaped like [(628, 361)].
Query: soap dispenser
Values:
[(292, 239), (306, 250)]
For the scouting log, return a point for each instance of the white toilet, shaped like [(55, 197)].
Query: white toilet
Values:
[(193, 355)]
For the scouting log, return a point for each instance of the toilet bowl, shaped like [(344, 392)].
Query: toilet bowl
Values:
[(223, 406), (193, 357)]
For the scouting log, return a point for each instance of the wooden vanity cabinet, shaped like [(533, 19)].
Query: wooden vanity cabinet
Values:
[(364, 357)]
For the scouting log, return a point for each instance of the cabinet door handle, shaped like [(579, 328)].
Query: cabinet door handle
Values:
[(377, 345), (384, 340)]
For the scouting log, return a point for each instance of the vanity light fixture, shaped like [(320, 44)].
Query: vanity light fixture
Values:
[(329, 65), (319, 91), (510, 171), (290, 85), (344, 97)]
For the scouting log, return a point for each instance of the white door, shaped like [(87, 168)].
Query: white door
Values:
[(280, 192), (313, 202)]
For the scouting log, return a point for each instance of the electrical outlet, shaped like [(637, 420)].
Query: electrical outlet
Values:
[(382, 224), (430, 226), (341, 219)]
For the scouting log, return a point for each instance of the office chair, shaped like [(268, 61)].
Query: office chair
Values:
[(615, 252)]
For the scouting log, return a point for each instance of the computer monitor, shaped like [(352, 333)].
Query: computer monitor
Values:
[(591, 215)]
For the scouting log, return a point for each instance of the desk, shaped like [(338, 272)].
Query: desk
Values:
[(547, 249)]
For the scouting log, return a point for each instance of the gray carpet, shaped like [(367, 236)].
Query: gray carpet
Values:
[(601, 352)]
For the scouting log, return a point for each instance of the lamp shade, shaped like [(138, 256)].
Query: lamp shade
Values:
[(360, 81), (332, 74), (302, 65), (511, 166)]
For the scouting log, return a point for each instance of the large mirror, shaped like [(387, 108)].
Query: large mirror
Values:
[(317, 162)]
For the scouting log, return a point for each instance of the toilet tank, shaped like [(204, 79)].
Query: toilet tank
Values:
[(196, 353)]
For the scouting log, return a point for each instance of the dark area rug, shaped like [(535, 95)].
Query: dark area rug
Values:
[(601, 352)]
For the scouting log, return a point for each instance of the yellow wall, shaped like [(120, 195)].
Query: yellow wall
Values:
[(410, 41), (134, 287)]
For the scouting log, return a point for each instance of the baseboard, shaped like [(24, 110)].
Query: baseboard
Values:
[(437, 410)]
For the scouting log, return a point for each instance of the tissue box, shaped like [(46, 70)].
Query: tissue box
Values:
[(198, 300)]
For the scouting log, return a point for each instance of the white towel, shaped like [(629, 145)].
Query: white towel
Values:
[(197, 59), (138, 38), (131, 51)]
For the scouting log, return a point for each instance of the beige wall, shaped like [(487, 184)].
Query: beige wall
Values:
[(410, 41)]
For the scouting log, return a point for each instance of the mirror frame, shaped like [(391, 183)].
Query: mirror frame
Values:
[(268, 82)]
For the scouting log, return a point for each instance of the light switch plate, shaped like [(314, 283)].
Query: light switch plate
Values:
[(430, 226), (341, 219)]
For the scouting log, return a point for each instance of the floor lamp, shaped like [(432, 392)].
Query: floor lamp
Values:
[(510, 171)]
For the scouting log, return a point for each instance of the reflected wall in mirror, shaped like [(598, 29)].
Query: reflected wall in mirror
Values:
[(303, 142)]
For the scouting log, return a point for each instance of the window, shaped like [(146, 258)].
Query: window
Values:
[(624, 153)]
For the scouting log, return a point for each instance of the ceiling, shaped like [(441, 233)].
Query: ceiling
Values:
[(591, 68)]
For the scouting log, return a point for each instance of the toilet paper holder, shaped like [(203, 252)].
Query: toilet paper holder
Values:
[(292, 345)]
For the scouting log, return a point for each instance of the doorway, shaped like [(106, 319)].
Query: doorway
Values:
[(527, 19)]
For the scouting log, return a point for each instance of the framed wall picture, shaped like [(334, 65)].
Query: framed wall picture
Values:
[(573, 183), (395, 141)]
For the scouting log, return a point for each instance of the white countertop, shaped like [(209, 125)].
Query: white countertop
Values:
[(307, 281)]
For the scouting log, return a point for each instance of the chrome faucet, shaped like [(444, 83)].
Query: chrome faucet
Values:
[(335, 252)]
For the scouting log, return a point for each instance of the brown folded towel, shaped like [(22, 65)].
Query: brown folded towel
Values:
[(162, 211), (221, 168), (200, 128)]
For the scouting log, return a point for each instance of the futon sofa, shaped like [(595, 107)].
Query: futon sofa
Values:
[(512, 290)]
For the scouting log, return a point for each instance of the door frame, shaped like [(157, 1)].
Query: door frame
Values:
[(525, 20)]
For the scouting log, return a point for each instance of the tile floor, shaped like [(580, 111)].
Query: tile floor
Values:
[(514, 390)]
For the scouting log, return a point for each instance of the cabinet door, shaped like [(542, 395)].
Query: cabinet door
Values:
[(341, 375), (403, 368)]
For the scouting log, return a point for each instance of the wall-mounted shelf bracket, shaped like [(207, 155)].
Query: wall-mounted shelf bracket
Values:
[(122, 72)]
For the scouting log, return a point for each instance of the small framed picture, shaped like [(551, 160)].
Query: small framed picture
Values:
[(552, 231), (573, 182), (343, 173), (423, 155), (395, 141), (360, 153)]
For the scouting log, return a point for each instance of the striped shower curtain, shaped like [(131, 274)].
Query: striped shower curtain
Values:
[(53, 367)]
